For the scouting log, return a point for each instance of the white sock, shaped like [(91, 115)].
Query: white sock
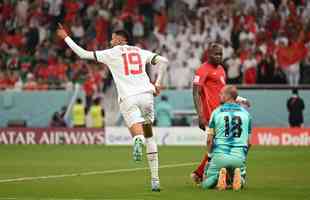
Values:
[(152, 157), (138, 136)]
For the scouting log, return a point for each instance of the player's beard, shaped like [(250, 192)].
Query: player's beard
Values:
[(112, 45), (116, 43), (218, 61)]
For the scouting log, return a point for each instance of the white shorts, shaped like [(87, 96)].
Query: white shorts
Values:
[(138, 108)]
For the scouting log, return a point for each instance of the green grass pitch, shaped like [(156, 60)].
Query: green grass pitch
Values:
[(273, 173)]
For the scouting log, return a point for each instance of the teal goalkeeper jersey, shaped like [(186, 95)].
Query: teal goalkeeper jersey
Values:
[(232, 128)]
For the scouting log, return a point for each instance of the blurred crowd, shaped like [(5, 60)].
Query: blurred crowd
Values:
[(264, 41)]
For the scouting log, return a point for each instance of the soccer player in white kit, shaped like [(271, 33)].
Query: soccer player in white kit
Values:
[(135, 91)]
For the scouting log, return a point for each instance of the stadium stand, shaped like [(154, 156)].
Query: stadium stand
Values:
[(265, 41)]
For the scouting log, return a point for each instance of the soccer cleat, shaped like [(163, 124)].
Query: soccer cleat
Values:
[(137, 150), (196, 179), (237, 179), (155, 185), (221, 183)]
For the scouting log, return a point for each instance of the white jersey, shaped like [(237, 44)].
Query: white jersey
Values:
[(127, 65)]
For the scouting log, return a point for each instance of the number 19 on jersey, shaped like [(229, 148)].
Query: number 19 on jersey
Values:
[(132, 63)]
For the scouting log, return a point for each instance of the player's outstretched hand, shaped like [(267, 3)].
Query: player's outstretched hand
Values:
[(247, 103), (61, 32), (243, 101), (202, 123)]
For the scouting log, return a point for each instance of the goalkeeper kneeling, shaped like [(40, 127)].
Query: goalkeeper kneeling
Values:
[(228, 143)]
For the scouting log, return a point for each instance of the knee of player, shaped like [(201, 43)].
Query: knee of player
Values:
[(208, 183)]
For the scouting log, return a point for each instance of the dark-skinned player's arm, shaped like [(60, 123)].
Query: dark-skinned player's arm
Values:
[(82, 53), (197, 90), (249, 143)]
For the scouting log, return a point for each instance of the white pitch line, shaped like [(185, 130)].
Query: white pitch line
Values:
[(48, 198), (92, 173), (7, 198)]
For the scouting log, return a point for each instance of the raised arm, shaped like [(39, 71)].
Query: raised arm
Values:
[(161, 63), (82, 53)]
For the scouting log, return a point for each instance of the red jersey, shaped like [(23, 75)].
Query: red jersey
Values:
[(212, 80), (89, 87)]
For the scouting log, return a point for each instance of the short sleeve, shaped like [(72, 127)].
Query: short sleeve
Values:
[(103, 56), (199, 77), (150, 56)]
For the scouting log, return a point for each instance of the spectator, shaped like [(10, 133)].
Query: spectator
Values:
[(233, 70), (246, 35), (57, 121), (78, 114), (163, 112), (279, 76), (97, 114), (21, 11), (305, 67), (266, 70), (249, 70), (293, 74), (295, 106), (3, 81), (161, 20), (32, 36), (77, 30), (227, 51), (31, 83), (193, 62), (102, 25), (279, 28), (90, 89)]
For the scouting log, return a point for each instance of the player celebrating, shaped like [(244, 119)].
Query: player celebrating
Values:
[(228, 142), (135, 91), (207, 84)]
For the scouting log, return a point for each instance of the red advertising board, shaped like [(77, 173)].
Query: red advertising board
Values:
[(51, 136), (281, 136)]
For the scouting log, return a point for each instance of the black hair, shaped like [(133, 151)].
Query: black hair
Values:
[(55, 116), (164, 98), (97, 101), (213, 45), (295, 91), (124, 34), (79, 100)]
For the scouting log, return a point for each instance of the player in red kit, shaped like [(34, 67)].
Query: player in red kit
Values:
[(208, 81)]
